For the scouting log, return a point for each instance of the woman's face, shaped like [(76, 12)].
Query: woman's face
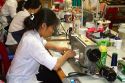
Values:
[(46, 31)]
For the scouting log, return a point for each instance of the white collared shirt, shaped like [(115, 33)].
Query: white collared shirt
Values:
[(28, 57), (8, 9), (16, 25)]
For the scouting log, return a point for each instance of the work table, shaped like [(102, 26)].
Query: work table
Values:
[(67, 66)]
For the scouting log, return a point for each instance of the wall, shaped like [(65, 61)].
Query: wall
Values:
[(46, 3)]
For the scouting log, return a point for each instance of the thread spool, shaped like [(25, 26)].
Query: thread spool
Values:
[(114, 61)]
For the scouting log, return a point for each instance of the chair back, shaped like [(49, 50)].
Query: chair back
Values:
[(4, 59)]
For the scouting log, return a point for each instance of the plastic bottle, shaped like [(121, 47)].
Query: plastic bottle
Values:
[(103, 50)]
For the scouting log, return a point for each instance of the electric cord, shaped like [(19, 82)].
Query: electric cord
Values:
[(75, 74), (82, 65)]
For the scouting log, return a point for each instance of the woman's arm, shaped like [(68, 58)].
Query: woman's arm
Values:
[(56, 47), (67, 53), (62, 59)]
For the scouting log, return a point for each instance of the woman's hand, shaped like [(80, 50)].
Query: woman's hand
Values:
[(70, 53), (62, 49)]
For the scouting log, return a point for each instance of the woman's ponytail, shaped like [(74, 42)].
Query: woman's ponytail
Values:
[(30, 22)]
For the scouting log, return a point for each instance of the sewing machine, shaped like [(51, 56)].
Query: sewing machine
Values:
[(89, 54)]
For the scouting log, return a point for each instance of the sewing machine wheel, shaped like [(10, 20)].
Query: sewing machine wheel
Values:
[(93, 55)]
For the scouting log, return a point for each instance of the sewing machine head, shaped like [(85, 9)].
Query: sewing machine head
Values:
[(88, 55)]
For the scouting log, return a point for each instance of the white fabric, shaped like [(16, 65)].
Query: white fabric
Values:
[(8, 9), (10, 40), (16, 25), (18, 79), (28, 57)]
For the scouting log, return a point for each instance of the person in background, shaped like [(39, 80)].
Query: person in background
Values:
[(95, 6), (90, 11), (20, 6), (90, 5), (32, 49), (16, 28), (8, 11)]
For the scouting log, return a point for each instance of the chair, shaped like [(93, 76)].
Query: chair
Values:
[(112, 15), (5, 62), (2, 2)]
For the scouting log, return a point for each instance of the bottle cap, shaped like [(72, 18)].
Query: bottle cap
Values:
[(103, 48)]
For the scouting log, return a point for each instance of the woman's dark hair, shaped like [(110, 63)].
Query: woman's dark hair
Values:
[(27, 4), (20, 5), (44, 15), (33, 4)]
